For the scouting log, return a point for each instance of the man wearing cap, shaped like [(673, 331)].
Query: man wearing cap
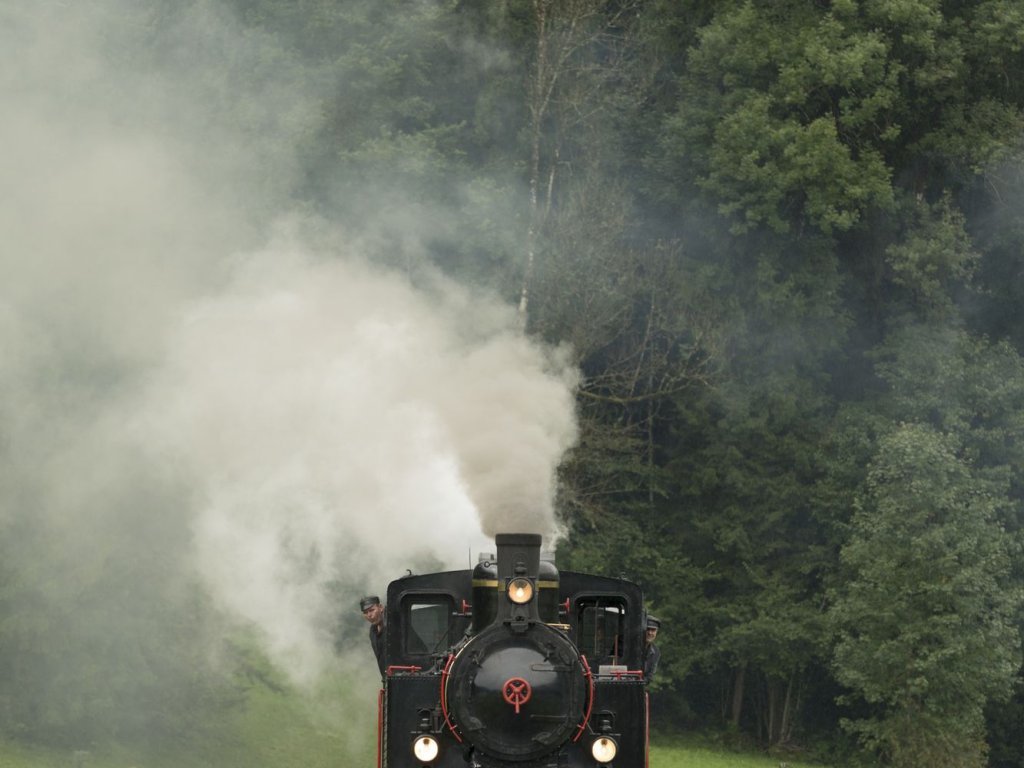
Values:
[(651, 654), (373, 612)]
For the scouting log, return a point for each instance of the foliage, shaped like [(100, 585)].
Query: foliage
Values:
[(775, 110), (925, 619)]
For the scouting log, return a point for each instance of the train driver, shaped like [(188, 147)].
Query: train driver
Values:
[(373, 612), (651, 654)]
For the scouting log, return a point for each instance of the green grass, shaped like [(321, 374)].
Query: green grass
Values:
[(13, 756), (682, 752), (333, 727), (322, 731), (293, 744)]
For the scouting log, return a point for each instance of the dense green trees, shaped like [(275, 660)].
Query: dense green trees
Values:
[(823, 168)]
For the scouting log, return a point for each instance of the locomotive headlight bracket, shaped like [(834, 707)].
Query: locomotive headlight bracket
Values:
[(604, 749), (426, 748), (520, 590)]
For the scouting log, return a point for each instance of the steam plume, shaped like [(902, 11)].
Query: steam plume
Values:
[(320, 420)]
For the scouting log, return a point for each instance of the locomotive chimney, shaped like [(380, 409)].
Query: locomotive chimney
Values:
[(518, 563), (518, 555)]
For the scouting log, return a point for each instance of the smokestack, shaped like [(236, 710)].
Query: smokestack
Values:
[(518, 555), (518, 558)]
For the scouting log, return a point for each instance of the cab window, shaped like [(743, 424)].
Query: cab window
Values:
[(428, 622), (601, 628)]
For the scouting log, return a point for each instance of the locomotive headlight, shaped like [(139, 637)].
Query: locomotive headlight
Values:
[(425, 748), (604, 749), (520, 591)]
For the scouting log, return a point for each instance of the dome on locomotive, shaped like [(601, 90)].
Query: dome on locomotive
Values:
[(547, 588), (485, 592), (517, 696)]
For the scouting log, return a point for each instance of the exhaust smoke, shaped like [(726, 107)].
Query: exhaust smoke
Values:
[(289, 422)]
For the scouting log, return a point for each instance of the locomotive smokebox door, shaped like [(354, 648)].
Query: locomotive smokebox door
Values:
[(517, 697)]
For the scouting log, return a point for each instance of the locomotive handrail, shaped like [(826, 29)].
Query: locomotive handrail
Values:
[(647, 730), (380, 729), (619, 675), (590, 702), (444, 698), (399, 668)]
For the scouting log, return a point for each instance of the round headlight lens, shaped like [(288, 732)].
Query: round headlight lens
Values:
[(604, 749), (425, 748), (520, 591)]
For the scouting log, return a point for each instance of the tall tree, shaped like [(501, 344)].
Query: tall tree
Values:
[(577, 44), (925, 619)]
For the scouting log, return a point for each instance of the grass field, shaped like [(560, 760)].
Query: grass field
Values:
[(669, 753), (674, 752), (661, 757), (286, 731)]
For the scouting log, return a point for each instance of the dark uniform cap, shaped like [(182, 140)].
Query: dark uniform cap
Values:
[(367, 601), (653, 622)]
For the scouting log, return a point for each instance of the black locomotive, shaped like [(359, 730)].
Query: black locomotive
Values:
[(513, 665)]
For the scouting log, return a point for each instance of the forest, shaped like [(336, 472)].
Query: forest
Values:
[(781, 241)]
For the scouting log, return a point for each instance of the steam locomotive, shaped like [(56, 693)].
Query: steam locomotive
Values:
[(513, 665)]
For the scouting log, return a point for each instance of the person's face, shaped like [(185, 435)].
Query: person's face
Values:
[(652, 632), (374, 613)]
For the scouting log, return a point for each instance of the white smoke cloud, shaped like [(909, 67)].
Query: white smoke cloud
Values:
[(341, 423), (323, 420)]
